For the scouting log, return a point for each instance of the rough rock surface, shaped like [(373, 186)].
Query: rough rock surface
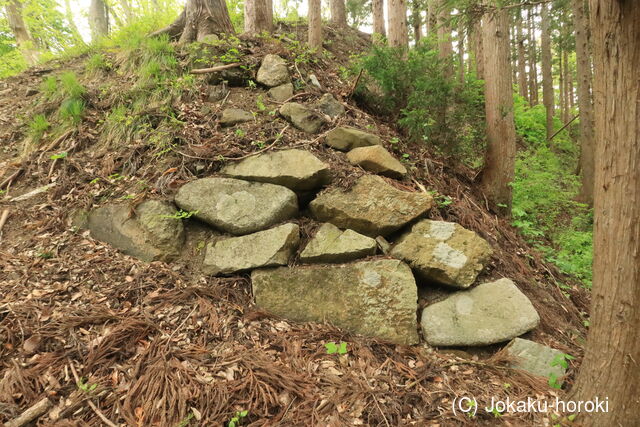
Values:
[(443, 252), (237, 206), (150, 235), (273, 71), (490, 313), (375, 298), (535, 358), (330, 106), (233, 116), (330, 244), (281, 93), (266, 248), (377, 159), (370, 207), (302, 117), (345, 139), (296, 169)]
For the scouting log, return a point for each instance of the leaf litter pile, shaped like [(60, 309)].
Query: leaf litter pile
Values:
[(89, 336)]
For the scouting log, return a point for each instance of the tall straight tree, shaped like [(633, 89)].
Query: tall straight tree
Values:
[(445, 45), (377, 11), (26, 43), (499, 164), (397, 14), (416, 19), (611, 365), (258, 16), (523, 87), (338, 13), (98, 19), (199, 19), (533, 59), (585, 105), (315, 24), (547, 76)]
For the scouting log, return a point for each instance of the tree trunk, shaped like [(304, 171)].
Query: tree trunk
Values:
[(445, 46), (431, 18), (25, 42), (338, 13), (461, 51), (397, 14), (315, 24), (478, 48), (257, 16), (533, 61), (377, 10), (523, 86), (416, 20), (199, 19), (585, 105), (499, 165), (98, 19), (563, 101), (567, 77), (547, 76), (611, 366)]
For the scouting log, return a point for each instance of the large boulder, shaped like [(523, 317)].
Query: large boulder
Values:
[(370, 207), (273, 71), (281, 93), (443, 252), (345, 139), (149, 232), (375, 298), (266, 248), (296, 169), (330, 244), (490, 313), (233, 116), (537, 359), (302, 117), (237, 206), (330, 106), (376, 159)]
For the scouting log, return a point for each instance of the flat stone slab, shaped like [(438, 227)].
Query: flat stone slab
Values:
[(295, 169), (377, 159), (302, 117), (266, 248), (536, 358), (330, 245), (281, 93), (237, 206), (233, 116), (443, 252), (490, 313), (330, 106), (152, 233), (345, 139), (371, 207), (374, 298), (273, 71)]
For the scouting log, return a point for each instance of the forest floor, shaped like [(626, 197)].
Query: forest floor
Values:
[(103, 336)]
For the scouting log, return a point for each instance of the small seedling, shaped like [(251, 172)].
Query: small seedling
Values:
[(333, 348), (86, 387), (237, 418), (45, 255), (61, 155), (240, 133), (94, 181), (180, 215), (394, 140)]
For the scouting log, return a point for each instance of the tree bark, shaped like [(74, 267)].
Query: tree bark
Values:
[(315, 24), (199, 19), (567, 106), (397, 14), (445, 46), (338, 13), (478, 50), (533, 61), (547, 76), (611, 365), (563, 101), (377, 10), (416, 20), (98, 19), (585, 103), (257, 16), (499, 165), (25, 42), (431, 18), (523, 86), (461, 51)]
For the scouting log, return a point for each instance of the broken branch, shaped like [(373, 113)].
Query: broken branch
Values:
[(215, 69)]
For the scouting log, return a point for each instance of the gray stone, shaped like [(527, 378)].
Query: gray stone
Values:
[(266, 248), (377, 159), (150, 234), (236, 206), (330, 244), (374, 298), (217, 92), (233, 116), (490, 313), (302, 117), (443, 252), (371, 207), (330, 106), (273, 71), (281, 93), (537, 359), (345, 139), (314, 81), (296, 169)]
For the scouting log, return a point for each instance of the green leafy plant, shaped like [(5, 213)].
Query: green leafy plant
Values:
[(237, 418), (180, 215), (61, 155), (38, 126), (333, 348), (86, 387)]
